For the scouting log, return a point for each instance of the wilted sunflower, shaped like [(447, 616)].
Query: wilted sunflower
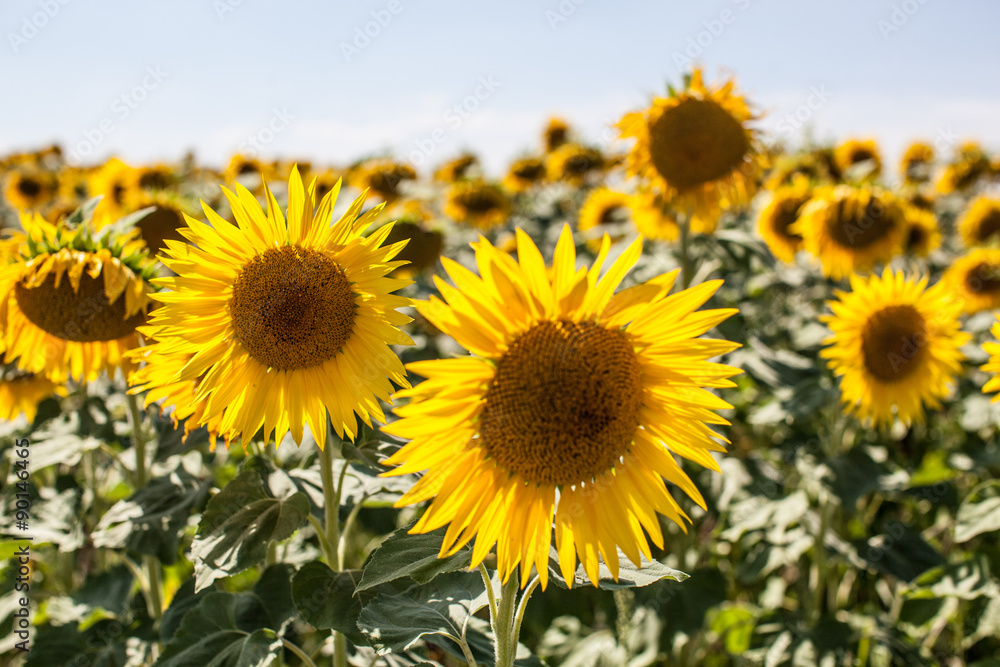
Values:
[(21, 393), (696, 148), (851, 228), (975, 280), (603, 207), (895, 346), (778, 216), (30, 189), (965, 170), (917, 162), (922, 233), (858, 159), (572, 408), (574, 164), (72, 298), (477, 204), (653, 218), (524, 173), (980, 223), (283, 320), (555, 134), (383, 177), (457, 169)]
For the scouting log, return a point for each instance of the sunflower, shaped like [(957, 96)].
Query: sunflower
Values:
[(917, 162), (653, 218), (116, 182), (573, 163), (993, 365), (477, 204), (895, 346), (573, 405), (423, 246), (603, 207), (965, 170), (30, 189), (277, 323), (696, 148), (975, 280), (858, 159), (980, 223), (247, 171), (164, 222), (71, 299), (778, 216), (809, 165), (555, 134), (457, 169), (922, 234), (524, 173), (383, 177), (20, 394), (157, 177), (851, 228)]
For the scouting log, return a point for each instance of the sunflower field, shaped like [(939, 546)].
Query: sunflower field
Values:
[(705, 399)]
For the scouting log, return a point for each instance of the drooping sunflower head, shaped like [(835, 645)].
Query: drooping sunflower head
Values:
[(574, 164), (965, 170), (858, 159), (696, 147), (457, 169), (524, 173), (477, 203), (30, 189), (980, 223), (555, 134), (653, 217), (383, 177), (851, 229), (603, 209), (779, 215), (72, 298), (975, 280), (895, 346), (569, 410), (917, 162), (922, 232), (280, 320)]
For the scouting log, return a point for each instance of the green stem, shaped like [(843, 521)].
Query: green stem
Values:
[(138, 440), (489, 592), (346, 530), (154, 584), (503, 623), (684, 223), (331, 533), (298, 652), (521, 607)]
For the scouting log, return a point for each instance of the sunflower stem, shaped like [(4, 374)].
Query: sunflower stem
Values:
[(331, 534), (684, 223), (505, 639)]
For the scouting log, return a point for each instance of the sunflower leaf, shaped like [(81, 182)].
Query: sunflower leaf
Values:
[(629, 576), (238, 524), (979, 513), (414, 556)]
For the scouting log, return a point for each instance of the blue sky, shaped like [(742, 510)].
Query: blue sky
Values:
[(150, 79)]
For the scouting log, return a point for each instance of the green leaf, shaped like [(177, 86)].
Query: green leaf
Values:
[(979, 513), (967, 580), (414, 556), (327, 601), (735, 625), (393, 623), (100, 645), (238, 524), (234, 630), (900, 552), (152, 520), (629, 576)]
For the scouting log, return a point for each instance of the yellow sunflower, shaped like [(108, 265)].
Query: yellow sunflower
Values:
[(653, 218), (917, 162), (249, 172), (457, 169), (922, 233), (603, 207), (477, 204), (524, 173), (71, 300), (278, 321), (980, 223), (993, 365), (156, 177), (422, 250), (30, 189), (778, 216), (383, 178), (696, 148), (851, 228), (574, 164), (975, 280), (555, 134), (116, 182), (858, 159), (969, 165), (895, 346), (789, 168), (20, 394), (164, 222), (571, 409)]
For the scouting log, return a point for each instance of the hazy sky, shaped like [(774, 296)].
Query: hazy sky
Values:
[(331, 81)]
